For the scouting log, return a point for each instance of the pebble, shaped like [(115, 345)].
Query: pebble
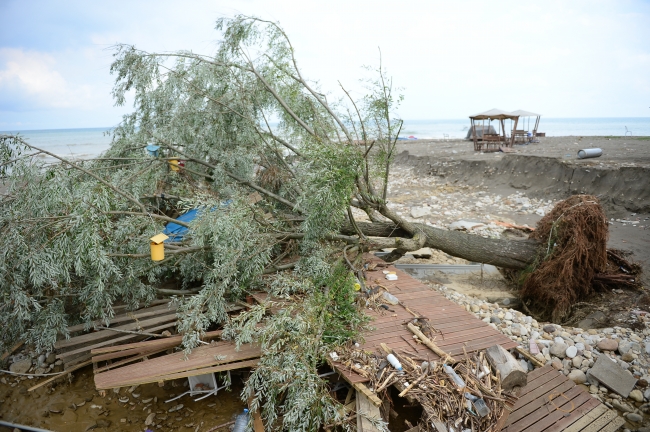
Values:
[(577, 376), (558, 349), (571, 352), (607, 345), (633, 417), (636, 395), (549, 328)]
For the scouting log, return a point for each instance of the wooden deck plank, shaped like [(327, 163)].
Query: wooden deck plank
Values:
[(106, 334), (584, 415), (532, 415), (614, 425), (128, 316), (538, 381), (201, 357), (546, 414), (601, 421), (145, 345), (556, 385)]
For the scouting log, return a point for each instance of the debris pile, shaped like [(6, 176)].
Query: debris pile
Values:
[(467, 395)]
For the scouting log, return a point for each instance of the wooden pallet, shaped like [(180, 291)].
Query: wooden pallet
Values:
[(457, 328), (551, 402)]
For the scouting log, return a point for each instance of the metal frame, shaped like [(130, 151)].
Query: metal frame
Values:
[(208, 379)]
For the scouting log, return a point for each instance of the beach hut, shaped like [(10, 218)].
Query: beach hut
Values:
[(528, 115), (488, 139)]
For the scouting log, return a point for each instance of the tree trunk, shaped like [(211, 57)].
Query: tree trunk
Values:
[(513, 254)]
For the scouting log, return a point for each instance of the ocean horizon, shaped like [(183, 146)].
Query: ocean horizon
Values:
[(81, 143)]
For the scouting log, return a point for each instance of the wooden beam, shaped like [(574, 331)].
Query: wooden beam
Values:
[(193, 372), (365, 409), (258, 425)]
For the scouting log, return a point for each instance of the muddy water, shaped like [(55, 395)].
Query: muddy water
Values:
[(76, 406)]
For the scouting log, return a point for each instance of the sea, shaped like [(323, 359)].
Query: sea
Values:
[(90, 142)]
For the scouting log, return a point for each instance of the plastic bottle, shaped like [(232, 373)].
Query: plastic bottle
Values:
[(393, 361), (241, 423), (454, 376), (390, 298), (481, 408)]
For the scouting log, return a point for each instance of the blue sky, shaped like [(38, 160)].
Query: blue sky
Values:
[(453, 59)]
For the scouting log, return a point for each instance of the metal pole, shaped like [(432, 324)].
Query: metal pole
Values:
[(23, 427)]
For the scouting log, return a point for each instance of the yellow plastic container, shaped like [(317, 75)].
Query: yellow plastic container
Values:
[(158, 247), (173, 165)]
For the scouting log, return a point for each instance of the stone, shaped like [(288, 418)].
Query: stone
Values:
[(646, 394), (558, 349), (475, 308), (549, 328), (577, 361), (571, 352), (21, 366), (577, 376), (557, 364), (518, 330), (624, 347), (495, 320), (150, 418), (607, 345), (635, 418), (621, 406), (418, 212), (51, 358), (508, 316), (627, 357), (636, 395), (612, 376)]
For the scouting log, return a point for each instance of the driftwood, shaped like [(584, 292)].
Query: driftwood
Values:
[(510, 370), (433, 347)]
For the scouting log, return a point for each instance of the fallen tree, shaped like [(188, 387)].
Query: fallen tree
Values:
[(273, 167)]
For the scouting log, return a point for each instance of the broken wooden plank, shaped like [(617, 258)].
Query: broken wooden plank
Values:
[(128, 316), (366, 410), (11, 350), (185, 374), (105, 334), (88, 348), (127, 360), (258, 425), (107, 353), (154, 369)]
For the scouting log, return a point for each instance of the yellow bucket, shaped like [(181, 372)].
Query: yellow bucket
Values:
[(158, 247), (173, 165)]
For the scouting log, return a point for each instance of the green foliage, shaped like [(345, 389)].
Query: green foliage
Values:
[(75, 233)]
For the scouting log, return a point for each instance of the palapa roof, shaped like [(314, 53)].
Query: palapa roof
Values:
[(494, 114), (524, 113)]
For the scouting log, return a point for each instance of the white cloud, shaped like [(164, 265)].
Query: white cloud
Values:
[(34, 76)]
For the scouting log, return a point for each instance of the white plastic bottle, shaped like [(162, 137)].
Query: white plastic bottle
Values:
[(393, 361), (241, 423), (454, 376)]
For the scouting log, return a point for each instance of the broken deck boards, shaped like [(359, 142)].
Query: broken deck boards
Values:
[(552, 402), (223, 355), (457, 328)]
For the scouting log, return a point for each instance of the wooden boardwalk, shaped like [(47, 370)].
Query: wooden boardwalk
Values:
[(457, 328), (551, 402)]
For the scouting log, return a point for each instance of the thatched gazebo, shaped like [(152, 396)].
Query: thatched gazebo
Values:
[(490, 139)]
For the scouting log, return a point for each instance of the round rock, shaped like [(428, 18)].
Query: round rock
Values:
[(577, 376), (549, 328), (571, 351), (636, 395), (607, 345), (558, 349)]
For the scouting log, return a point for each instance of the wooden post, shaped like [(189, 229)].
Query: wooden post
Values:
[(369, 410), (511, 372)]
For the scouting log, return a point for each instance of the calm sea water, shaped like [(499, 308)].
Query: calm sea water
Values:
[(85, 143), (457, 128)]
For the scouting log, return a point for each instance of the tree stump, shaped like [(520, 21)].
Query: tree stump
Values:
[(510, 370)]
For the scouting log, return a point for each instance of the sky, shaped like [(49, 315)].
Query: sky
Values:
[(451, 59)]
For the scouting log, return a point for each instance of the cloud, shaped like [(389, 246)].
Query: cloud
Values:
[(30, 79)]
